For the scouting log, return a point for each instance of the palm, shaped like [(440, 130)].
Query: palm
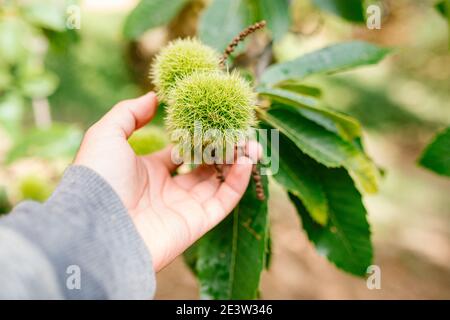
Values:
[(173, 212), (170, 213)]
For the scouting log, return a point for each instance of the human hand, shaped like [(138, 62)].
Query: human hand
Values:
[(170, 213)]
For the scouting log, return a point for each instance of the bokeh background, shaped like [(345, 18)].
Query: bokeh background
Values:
[(56, 82)]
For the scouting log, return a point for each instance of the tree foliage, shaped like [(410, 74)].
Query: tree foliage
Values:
[(322, 164)]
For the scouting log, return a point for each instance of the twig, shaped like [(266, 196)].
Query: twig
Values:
[(259, 186), (232, 46), (218, 167)]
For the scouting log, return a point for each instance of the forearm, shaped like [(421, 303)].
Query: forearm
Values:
[(83, 227)]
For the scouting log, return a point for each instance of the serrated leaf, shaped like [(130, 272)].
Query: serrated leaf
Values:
[(436, 156), (277, 15), (231, 257), (296, 174), (345, 241), (222, 21), (57, 141), (351, 10), (150, 14), (324, 146), (335, 58), (348, 127)]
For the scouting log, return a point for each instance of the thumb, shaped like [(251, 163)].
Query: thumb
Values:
[(128, 115)]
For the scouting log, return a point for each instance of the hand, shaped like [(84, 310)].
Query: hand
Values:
[(170, 213)]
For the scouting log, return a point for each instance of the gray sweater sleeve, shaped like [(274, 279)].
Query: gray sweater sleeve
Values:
[(80, 244)]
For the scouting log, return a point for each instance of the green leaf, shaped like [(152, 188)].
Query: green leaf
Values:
[(298, 87), (335, 58), (442, 8), (40, 85), (222, 21), (296, 174), (46, 15), (277, 15), (436, 157), (351, 10), (345, 241), (324, 146), (149, 14), (348, 127), (231, 257), (57, 141)]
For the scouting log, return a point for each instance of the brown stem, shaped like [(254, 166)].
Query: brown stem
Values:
[(259, 186), (233, 44), (219, 172), (218, 167)]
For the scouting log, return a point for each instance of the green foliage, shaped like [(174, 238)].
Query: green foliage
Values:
[(57, 141), (310, 108), (88, 84), (299, 88), (230, 258), (335, 58), (277, 15), (329, 205), (351, 10), (150, 14), (34, 188), (321, 159), (46, 14), (218, 101), (436, 156), (345, 240), (320, 153), (148, 140), (297, 176), (222, 21), (324, 146), (443, 7), (179, 59), (25, 28), (40, 85)]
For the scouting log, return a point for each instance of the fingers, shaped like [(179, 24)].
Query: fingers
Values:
[(189, 180), (230, 192), (128, 115)]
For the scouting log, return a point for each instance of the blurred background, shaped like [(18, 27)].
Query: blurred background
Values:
[(63, 64)]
